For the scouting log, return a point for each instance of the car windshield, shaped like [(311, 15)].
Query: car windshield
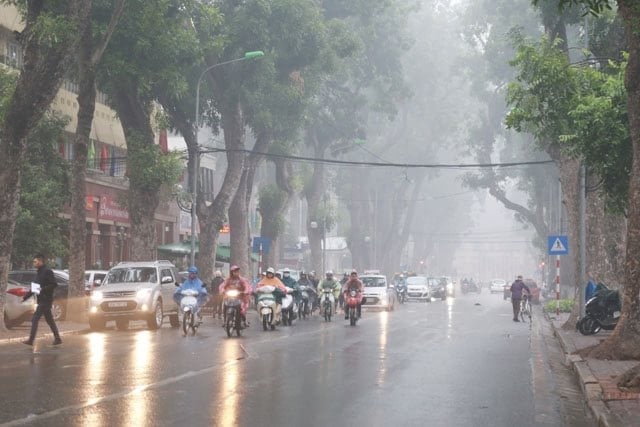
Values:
[(373, 282), (417, 280), (433, 282), (131, 275)]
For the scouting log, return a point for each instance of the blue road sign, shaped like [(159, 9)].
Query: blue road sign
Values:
[(265, 242), (558, 245)]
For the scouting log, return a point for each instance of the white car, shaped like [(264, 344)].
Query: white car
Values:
[(93, 279), (497, 286), (418, 289), (377, 292), (136, 291), (16, 310)]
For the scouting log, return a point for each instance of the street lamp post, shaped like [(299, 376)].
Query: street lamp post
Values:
[(196, 161)]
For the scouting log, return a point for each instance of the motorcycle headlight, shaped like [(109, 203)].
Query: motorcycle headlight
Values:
[(96, 296), (232, 293)]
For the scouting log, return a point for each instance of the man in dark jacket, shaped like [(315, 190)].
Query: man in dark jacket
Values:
[(47, 282), (217, 296), (516, 296)]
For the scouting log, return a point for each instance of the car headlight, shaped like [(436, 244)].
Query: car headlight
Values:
[(143, 293), (96, 296)]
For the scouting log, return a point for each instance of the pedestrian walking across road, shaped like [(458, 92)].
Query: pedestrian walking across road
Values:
[(45, 283)]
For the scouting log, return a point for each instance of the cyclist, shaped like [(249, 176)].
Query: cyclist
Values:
[(516, 295)]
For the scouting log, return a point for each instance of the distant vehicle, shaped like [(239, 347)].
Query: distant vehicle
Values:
[(497, 285), (438, 287), (16, 310), (535, 290), (60, 293), (93, 279), (377, 292), (418, 289)]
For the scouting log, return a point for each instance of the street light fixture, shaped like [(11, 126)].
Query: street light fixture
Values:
[(196, 161)]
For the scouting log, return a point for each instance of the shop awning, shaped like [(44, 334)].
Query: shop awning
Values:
[(223, 253)]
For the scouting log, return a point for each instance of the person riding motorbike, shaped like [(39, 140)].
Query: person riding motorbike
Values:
[(235, 281), (353, 284), (311, 290), (290, 282), (192, 283), (331, 283), (271, 280), (345, 279)]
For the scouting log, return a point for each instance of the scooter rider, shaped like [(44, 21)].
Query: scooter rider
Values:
[(311, 290), (194, 283), (353, 284), (271, 280), (290, 282), (235, 281), (331, 283)]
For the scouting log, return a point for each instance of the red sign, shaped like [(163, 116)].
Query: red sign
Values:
[(110, 209)]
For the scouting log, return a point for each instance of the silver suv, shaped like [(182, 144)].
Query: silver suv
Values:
[(135, 291)]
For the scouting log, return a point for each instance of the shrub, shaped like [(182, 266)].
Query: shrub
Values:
[(566, 305)]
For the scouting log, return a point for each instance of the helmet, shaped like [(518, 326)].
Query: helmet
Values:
[(234, 268), (218, 273), (329, 273), (354, 271), (193, 269), (271, 270), (286, 270)]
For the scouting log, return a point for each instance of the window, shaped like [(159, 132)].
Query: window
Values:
[(13, 55)]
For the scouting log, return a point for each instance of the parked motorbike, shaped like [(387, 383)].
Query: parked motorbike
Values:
[(232, 311), (304, 307), (190, 310), (602, 312), (352, 300), (328, 301), (266, 307), (289, 308)]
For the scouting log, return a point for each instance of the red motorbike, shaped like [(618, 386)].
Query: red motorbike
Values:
[(351, 299)]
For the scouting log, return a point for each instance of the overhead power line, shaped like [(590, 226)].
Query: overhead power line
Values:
[(379, 164)]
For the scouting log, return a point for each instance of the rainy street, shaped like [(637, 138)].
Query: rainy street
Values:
[(460, 362)]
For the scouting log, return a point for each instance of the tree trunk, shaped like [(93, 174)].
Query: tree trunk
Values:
[(77, 240), (42, 73), (143, 196), (239, 208), (624, 342), (212, 218), (314, 194)]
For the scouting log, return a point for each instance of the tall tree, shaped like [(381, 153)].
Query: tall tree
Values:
[(48, 40), (89, 54)]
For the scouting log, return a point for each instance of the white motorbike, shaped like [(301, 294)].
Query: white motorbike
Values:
[(289, 308), (267, 307), (190, 310)]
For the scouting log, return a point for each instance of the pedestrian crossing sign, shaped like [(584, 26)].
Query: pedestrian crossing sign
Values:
[(558, 245)]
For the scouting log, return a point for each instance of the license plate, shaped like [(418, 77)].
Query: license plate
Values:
[(118, 304)]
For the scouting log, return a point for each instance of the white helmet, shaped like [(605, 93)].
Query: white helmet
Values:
[(218, 273), (329, 273), (271, 270)]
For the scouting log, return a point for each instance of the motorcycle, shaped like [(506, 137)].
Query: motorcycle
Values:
[(190, 309), (401, 290), (304, 307), (267, 306), (464, 288), (602, 312), (289, 308), (328, 301), (352, 299), (232, 311)]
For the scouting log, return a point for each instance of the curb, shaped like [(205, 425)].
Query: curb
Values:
[(589, 384), (12, 340)]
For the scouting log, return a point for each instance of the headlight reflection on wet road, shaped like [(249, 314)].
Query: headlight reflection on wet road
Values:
[(137, 409), (227, 408), (382, 347), (94, 376)]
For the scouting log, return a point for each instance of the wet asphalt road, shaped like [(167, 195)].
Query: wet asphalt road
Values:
[(460, 362)]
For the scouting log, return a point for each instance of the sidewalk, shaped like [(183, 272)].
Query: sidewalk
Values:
[(609, 405), (20, 333)]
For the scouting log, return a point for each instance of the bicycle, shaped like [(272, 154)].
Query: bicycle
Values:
[(525, 307)]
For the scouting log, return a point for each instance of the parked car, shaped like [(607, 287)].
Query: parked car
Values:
[(378, 293), (136, 291), (59, 307), (418, 289), (93, 279), (497, 286), (16, 310)]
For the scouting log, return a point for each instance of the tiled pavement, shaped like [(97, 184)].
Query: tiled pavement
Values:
[(609, 405)]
